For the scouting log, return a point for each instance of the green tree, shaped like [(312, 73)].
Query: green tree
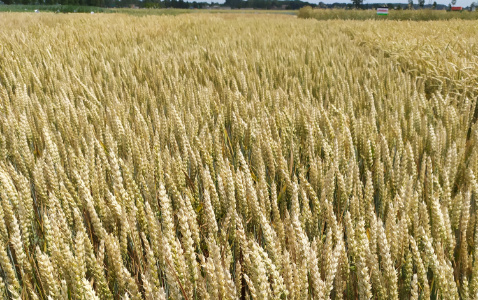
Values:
[(357, 3), (234, 3)]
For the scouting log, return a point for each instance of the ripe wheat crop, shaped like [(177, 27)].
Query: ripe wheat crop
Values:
[(407, 15), (237, 157)]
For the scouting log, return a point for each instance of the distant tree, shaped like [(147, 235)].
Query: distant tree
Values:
[(435, 5), (410, 4), (357, 3), (453, 2), (234, 3), (421, 3)]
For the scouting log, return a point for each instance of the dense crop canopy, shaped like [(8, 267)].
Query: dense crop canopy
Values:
[(237, 157)]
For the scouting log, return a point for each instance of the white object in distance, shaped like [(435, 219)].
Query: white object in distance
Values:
[(382, 11)]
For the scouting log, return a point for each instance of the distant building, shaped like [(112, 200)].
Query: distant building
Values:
[(218, 7)]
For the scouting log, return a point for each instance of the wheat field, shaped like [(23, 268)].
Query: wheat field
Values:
[(237, 157), (422, 14)]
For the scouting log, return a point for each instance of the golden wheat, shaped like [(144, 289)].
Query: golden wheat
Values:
[(237, 157)]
